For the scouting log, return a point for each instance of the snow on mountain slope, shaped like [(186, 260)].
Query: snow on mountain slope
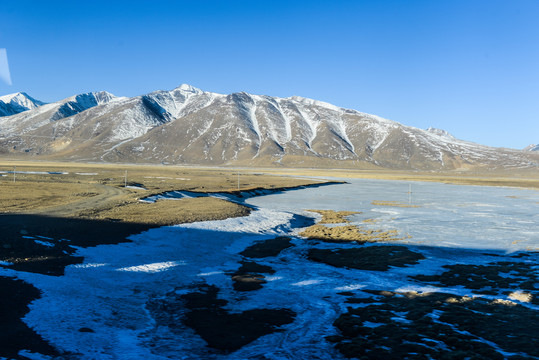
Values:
[(532, 147), (189, 126), (79, 103), (16, 103), (24, 122), (169, 105)]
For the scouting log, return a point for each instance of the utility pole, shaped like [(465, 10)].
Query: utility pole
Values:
[(238, 180), (125, 179), (14, 172)]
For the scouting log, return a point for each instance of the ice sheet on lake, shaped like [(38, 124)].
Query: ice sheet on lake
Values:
[(474, 217)]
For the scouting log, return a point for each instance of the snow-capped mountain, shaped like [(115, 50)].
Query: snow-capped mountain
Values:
[(16, 103), (190, 126), (532, 147), (25, 122)]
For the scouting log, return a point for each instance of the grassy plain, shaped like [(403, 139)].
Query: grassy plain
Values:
[(98, 191)]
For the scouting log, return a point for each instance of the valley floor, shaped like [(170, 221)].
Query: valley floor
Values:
[(53, 213)]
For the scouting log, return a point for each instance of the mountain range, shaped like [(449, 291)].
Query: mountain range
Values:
[(189, 126)]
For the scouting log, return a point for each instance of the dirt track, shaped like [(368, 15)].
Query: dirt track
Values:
[(106, 195)]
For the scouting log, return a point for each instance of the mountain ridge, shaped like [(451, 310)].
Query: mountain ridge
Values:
[(187, 125)]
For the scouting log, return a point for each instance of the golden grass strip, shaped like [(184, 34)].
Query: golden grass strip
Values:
[(334, 217)]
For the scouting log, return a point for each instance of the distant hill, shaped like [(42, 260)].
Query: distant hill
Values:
[(190, 126), (532, 147)]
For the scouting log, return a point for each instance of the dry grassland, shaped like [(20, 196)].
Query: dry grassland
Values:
[(97, 191), (350, 233), (32, 195), (334, 217), (345, 233), (170, 212)]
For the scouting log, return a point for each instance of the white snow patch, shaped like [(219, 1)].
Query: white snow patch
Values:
[(351, 287), (273, 278), (210, 273), (135, 187), (153, 268), (308, 282), (89, 265), (311, 102)]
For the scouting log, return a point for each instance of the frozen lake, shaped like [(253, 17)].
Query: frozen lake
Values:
[(111, 291), (475, 217)]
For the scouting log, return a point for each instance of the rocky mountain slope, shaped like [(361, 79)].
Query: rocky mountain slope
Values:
[(190, 126), (532, 147)]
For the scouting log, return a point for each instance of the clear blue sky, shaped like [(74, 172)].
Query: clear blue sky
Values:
[(470, 67)]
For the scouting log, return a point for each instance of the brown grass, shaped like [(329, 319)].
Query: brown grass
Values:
[(350, 233), (392, 203), (334, 217), (97, 191), (32, 195), (371, 221), (346, 232), (155, 178), (169, 212)]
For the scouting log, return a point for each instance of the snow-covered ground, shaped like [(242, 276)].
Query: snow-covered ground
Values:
[(110, 291)]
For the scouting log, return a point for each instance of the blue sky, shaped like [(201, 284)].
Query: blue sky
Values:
[(470, 67)]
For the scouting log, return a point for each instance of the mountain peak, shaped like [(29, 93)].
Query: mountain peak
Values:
[(532, 147), (7, 98), (21, 98), (189, 88), (17, 102), (311, 102), (103, 97), (98, 96), (441, 133)]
